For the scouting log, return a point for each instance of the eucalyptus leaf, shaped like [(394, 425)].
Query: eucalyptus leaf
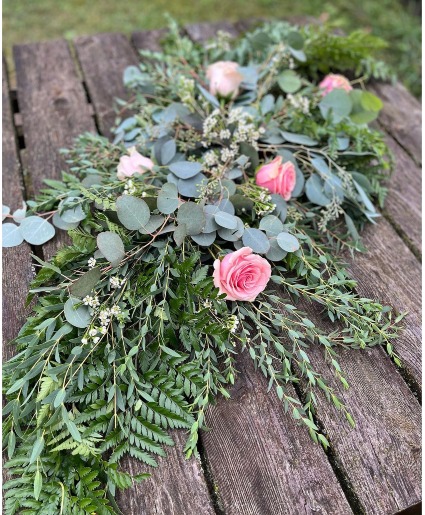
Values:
[(210, 223), (19, 214), (275, 253), (232, 234), (299, 139), (179, 234), (226, 220), (336, 105), (205, 239), (211, 99), (225, 205), (5, 211), (289, 81), (256, 240), (192, 216), (11, 235), (168, 198), (154, 223), (168, 151), (192, 187), (271, 225), (71, 214), (85, 283), (36, 230), (60, 223), (185, 169), (314, 190), (288, 242), (132, 212), (111, 246), (281, 208), (76, 316)]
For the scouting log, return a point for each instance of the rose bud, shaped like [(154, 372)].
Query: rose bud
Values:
[(224, 79), (135, 163)]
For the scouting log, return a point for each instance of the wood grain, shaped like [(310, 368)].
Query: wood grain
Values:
[(103, 59), (401, 117), (403, 205), (16, 261), (262, 463), (381, 456), (388, 271), (54, 111), (177, 486)]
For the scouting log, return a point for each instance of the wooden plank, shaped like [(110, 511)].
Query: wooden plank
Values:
[(148, 39), (261, 461), (16, 261), (381, 456), (403, 205), (401, 117), (103, 58), (54, 111), (389, 271), (177, 486)]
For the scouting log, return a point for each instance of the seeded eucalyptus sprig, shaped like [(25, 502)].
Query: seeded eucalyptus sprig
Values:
[(131, 334)]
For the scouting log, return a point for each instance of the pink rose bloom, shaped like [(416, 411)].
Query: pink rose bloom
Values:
[(331, 82), (277, 177), (241, 275), (134, 163), (224, 78)]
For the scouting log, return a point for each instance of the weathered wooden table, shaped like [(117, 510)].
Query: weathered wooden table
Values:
[(255, 460)]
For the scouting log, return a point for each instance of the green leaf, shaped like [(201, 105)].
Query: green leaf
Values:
[(256, 240), (168, 198), (132, 212), (295, 40), (204, 239), (71, 214), (192, 216), (314, 191), (36, 230), (11, 235), (336, 105), (86, 283), (271, 225), (60, 397), (299, 139), (288, 242), (168, 151), (72, 428), (155, 222), (289, 81), (211, 99), (38, 484), (111, 246), (60, 223), (371, 102), (79, 317), (185, 169), (11, 444), (226, 220), (37, 449), (275, 253)]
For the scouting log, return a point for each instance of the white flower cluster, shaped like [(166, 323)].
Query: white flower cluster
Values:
[(91, 262), (115, 282), (299, 102), (233, 323), (186, 89), (93, 302), (220, 42), (129, 188)]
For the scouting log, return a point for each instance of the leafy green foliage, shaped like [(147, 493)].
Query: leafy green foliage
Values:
[(129, 337)]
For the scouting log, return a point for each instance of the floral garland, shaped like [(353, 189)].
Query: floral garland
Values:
[(223, 201)]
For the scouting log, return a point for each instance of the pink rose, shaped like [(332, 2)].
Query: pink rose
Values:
[(331, 82), (277, 177), (224, 78), (134, 163), (241, 275)]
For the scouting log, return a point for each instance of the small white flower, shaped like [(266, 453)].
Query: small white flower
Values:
[(91, 262), (95, 340), (84, 341), (93, 332)]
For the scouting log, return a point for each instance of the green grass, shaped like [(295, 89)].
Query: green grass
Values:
[(26, 21)]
